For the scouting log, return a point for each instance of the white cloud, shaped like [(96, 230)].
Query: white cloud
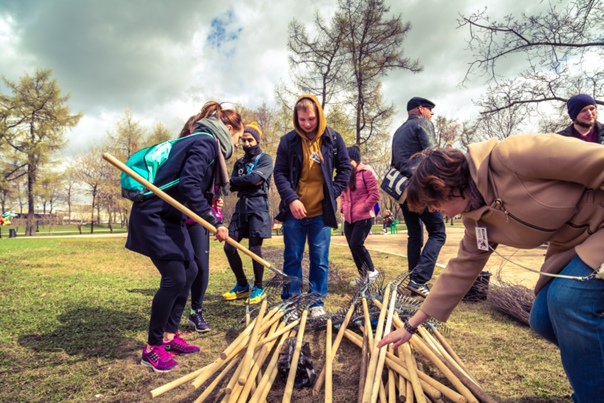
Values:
[(154, 57)]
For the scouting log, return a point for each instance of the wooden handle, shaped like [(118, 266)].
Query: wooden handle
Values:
[(174, 203)]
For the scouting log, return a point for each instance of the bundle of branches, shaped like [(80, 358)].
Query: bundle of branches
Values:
[(511, 299)]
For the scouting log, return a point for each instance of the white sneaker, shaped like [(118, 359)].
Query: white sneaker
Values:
[(356, 281), (372, 276), (316, 311)]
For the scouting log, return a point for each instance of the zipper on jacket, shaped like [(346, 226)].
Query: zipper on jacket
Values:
[(499, 202)]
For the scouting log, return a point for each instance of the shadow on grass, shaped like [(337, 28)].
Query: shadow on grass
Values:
[(90, 332), (148, 292)]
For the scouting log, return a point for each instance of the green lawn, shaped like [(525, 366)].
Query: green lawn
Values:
[(74, 313)]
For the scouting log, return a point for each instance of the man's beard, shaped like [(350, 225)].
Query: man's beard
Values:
[(583, 124)]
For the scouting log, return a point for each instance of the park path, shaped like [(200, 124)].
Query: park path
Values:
[(397, 244)]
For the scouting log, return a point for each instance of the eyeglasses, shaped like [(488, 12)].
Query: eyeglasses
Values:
[(247, 140)]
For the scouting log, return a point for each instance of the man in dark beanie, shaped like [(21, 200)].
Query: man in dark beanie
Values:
[(412, 137), (583, 112)]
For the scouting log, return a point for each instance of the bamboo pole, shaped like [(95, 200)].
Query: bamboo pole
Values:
[(382, 352), (328, 365), (336, 344), (382, 392), (216, 381), (447, 347), (278, 333), (247, 359), (267, 379), (427, 336), (412, 369), (430, 385), (363, 367), (367, 319), (391, 386), (177, 382), (258, 362), (289, 386), (373, 361), (462, 383), (409, 392)]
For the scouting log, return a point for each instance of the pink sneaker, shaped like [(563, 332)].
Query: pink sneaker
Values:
[(179, 345), (158, 359)]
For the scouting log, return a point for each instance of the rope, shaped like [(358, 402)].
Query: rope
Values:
[(594, 274)]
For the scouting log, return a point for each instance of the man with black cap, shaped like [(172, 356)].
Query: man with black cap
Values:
[(583, 112), (412, 137)]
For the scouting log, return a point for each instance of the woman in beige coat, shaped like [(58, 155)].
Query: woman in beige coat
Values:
[(522, 192)]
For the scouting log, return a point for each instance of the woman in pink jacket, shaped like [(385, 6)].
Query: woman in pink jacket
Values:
[(357, 203)]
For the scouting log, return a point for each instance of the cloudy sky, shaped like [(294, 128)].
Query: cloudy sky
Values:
[(163, 59)]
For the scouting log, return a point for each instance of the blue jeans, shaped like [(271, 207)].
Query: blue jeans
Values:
[(422, 261), (570, 314), (295, 234)]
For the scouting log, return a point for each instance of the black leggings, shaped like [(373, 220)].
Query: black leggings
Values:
[(356, 233), (200, 238), (170, 300), (255, 245)]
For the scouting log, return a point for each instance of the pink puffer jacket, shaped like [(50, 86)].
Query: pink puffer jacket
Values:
[(358, 205)]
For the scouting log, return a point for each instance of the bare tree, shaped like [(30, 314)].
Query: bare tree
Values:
[(374, 47), (561, 46), (317, 64)]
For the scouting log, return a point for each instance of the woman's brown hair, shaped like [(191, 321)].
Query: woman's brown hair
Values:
[(441, 174), (227, 116)]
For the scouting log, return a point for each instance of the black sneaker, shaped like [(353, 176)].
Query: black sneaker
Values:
[(196, 320), (418, 289)]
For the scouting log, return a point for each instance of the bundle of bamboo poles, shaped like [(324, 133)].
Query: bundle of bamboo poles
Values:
[(241, 362), (404, 381)]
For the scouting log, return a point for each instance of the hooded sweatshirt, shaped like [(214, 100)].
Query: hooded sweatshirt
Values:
[(310, 187)]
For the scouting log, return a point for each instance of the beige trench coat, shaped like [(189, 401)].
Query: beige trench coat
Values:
[(537, 188)]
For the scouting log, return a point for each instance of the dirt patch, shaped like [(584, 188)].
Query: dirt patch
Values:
[(511, 273)]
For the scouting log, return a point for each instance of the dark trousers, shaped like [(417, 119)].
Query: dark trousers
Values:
[(356, 233), (170, 300), (422, 261), (200, 238), (255, 245)]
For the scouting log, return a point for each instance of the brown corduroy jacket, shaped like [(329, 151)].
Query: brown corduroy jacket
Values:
[(537, 188)]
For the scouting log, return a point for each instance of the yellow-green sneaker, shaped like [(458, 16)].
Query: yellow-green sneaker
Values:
[(256, 296), (237, 292)]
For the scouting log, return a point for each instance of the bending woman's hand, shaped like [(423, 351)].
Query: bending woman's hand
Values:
[(401, 335), (398, 337)]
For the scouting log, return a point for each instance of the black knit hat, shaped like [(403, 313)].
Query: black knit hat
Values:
[(419, 101), (576, 103), (354, 153)]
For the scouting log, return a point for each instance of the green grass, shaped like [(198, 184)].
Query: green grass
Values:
[(74, 314)]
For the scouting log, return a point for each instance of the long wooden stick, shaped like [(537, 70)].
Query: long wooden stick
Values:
[(363, 366), (258, 362), (189, 213), (375, 352), (247, 359), (382, 352), (431, 386), (412, 369), (435, 344), (391, 386), (265, 383), (217, 380), (334, 349), (328, 365), (443, 341), (289, 386)]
